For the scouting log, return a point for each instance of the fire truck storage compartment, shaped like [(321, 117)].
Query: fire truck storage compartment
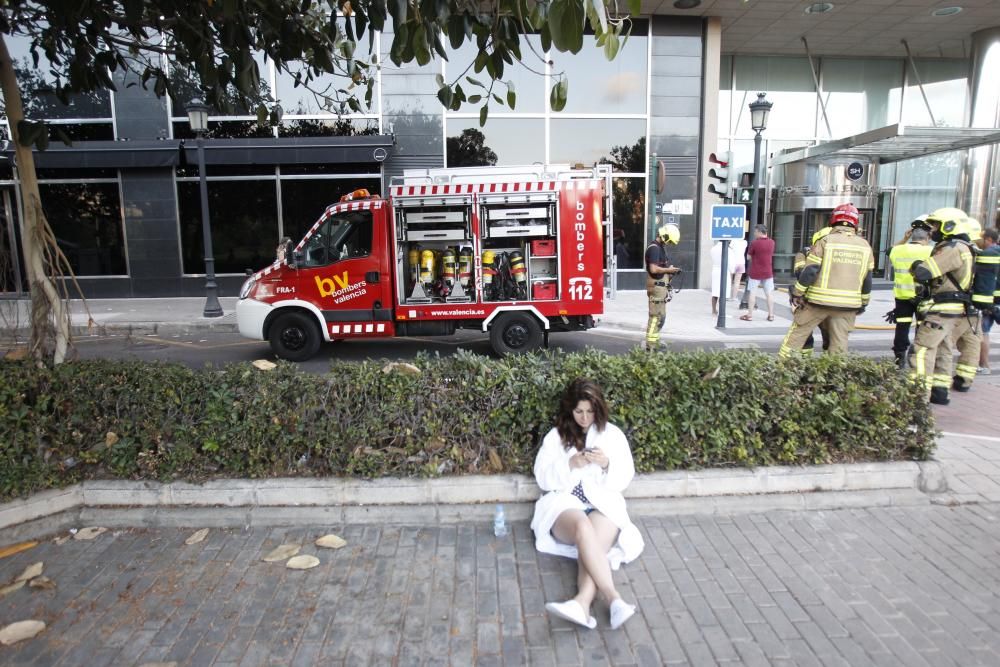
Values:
[(437, 271), (506, 216), (437, 224)]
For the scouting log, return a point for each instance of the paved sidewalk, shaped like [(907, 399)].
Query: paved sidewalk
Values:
[(914, 586)]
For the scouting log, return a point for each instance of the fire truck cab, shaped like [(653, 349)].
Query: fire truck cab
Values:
[(515, 252)]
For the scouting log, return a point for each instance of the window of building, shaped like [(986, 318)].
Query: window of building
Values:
[(860, 94), (504, 141), (592, 141), (303, 200), (600, 86), (244, 221), (85, 116), (789, 85), (946, 86), (86, 220), (527, 76)]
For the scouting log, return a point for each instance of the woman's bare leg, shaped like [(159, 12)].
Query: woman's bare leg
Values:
[(593, 537)]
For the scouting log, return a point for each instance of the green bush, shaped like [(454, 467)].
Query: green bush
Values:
[(461, 414)]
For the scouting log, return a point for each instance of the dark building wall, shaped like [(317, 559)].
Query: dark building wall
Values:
[(675, 125)]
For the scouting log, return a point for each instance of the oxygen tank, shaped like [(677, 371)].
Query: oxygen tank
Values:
[(414, 257), (448, 271), (465, 266), (427, 267), (517, 267), (489, 273)]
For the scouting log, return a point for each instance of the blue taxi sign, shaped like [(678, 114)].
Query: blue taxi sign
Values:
[(728, 221)]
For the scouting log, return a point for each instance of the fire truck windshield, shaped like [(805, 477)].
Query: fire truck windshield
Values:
[(343, 236)]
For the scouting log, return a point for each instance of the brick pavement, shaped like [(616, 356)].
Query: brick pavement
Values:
[(894, 586)]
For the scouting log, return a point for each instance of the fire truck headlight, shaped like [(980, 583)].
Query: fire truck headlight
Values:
[(247, 287)]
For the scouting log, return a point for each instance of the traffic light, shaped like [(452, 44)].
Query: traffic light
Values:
[(720, 172)]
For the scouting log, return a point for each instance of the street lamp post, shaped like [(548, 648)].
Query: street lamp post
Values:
[(759, 110), (197, 113)]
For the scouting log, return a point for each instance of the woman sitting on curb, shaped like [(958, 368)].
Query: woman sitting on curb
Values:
[(584, 465)]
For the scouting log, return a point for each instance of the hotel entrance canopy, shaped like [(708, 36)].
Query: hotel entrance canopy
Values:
[(891, 144)]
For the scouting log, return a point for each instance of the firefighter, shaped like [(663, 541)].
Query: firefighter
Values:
[(902, 256), (799, 263), (969, 331), (947, 274), (658, 272), (834, 285)]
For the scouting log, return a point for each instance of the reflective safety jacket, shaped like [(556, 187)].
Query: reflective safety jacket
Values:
[(798, 263), (984, 285), (948, 272), (841, 278), (902, 257)]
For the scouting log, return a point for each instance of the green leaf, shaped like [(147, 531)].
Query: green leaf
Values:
[(455, 27), (397, 8), (546, 36), (596, 10), (475, 99), (511, 98), (444, 95), (474, 82), (566, 22), (261, 114), (611, 46), (421, 49), (558, 95), (483, 113)]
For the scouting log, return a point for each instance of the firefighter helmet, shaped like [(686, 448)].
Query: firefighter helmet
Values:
[(669, 233), (845, 214), (920, 222), (820, 234), (950, 221), (973, 229)]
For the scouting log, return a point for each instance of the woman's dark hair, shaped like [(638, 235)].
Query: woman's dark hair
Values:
[(578, 390)]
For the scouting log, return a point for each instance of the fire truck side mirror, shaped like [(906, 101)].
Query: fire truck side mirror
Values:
[(298, 257)]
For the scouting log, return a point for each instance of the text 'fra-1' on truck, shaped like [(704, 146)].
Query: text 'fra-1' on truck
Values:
[(515, 252)]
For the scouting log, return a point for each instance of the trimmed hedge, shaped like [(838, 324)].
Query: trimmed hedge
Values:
[(460, 414)]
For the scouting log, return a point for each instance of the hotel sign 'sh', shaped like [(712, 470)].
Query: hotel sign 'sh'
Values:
[(847, 188)]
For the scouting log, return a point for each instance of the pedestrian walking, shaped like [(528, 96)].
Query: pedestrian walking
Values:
[(761, 273), (915, 246), (834, 285), (658, 273), (948, 274)]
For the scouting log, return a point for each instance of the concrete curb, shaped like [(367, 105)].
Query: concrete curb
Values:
[(292, 501)]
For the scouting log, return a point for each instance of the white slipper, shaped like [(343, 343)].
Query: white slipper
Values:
[(571, 611), (620, 612)]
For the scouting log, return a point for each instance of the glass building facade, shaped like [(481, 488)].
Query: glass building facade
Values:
[(133, 228)]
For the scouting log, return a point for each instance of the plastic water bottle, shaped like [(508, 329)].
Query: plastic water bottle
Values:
[(500, 522)]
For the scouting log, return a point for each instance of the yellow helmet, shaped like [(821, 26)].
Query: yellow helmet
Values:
[(669, 232), (821, 233), (973, 229), (950, 221)]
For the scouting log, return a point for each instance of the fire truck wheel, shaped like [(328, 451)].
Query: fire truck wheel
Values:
[(514, 333), (294, 337)]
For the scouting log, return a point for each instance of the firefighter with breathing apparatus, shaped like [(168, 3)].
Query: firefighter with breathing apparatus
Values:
[(947, 274), (969, 331), (914, 246), (833, 287), (658, 272)]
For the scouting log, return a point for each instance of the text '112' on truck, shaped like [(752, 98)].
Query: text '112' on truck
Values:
[(515, 252)]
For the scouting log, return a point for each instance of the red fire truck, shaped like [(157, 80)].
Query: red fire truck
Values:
[(515, 252)]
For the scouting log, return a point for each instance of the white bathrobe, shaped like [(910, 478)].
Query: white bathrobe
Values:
[(602, 489)]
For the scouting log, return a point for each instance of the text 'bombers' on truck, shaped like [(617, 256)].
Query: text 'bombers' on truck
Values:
[(513, 251)]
